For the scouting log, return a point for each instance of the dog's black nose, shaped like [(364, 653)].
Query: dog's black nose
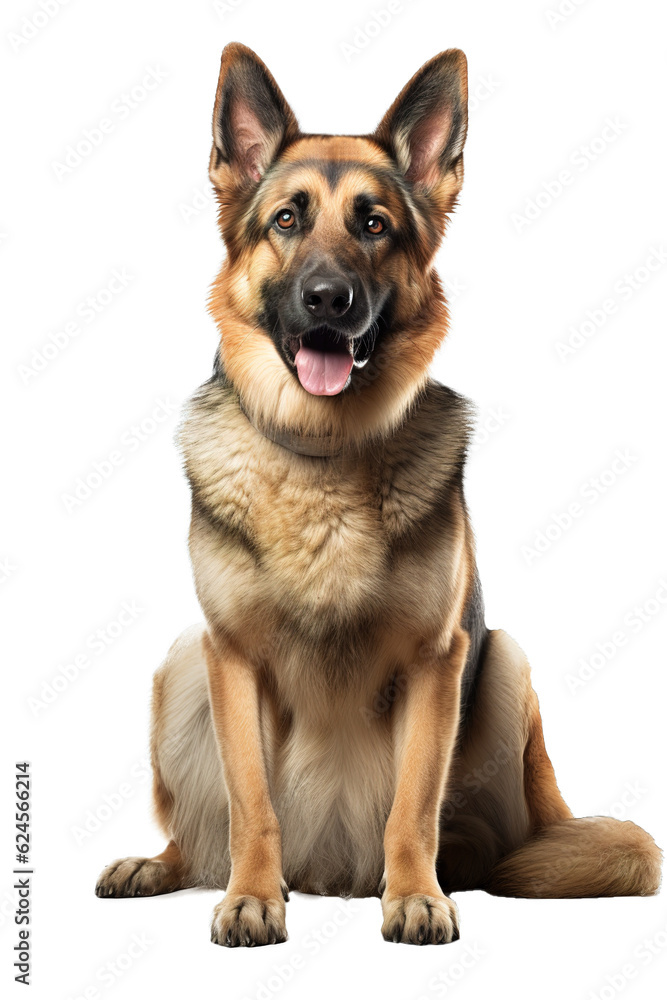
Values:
[(326, 297)]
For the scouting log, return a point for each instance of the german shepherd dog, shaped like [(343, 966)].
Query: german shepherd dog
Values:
[(344, 723)]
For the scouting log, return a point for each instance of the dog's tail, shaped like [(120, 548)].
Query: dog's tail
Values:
[(573, 858), (565, 857)]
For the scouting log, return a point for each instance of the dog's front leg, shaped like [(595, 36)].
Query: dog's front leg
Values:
[(414, 908), (253, 910)]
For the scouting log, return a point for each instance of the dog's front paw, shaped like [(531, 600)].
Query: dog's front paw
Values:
[(420, 919), (248, 921)]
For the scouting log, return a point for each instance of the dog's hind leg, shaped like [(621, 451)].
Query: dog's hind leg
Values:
[(139, 876), (572, 858), (188, 794), (504, 825), (485, 815), (143, 876)]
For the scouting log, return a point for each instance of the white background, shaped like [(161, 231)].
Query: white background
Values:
[(543, 90)]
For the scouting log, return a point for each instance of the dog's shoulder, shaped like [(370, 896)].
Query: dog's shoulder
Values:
[(423, 465), (444, 418), (215, 439), (432, 444), (207, 420)]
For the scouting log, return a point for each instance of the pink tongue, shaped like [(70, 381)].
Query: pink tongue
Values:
[(323, 373)]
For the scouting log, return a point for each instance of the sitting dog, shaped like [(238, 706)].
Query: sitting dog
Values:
[(344, 723)]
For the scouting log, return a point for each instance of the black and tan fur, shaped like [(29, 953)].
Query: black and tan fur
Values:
[(344, 723)]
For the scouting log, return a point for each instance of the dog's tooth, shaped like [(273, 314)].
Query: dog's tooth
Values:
[(360, 364)]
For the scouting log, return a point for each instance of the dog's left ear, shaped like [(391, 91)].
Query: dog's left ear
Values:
[(425, 128), (251, 119)]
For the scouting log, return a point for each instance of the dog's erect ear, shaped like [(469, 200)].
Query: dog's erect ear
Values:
[(251, 118), (425, 128)]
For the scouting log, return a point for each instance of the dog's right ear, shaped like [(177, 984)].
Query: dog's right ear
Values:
[(252, 120)]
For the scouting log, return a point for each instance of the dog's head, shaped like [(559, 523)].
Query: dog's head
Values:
[(328, 305)]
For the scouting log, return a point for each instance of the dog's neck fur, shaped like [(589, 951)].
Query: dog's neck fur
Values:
[(376, 405), (301, 444)]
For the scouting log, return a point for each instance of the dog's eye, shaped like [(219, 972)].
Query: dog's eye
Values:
[(285, 219), (374, 225)]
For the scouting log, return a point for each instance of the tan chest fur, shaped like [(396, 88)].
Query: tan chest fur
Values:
[(324, 569)]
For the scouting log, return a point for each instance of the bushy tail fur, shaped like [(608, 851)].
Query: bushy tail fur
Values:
[(573, 858)]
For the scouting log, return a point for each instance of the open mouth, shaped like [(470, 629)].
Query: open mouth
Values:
[(324, 359)]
